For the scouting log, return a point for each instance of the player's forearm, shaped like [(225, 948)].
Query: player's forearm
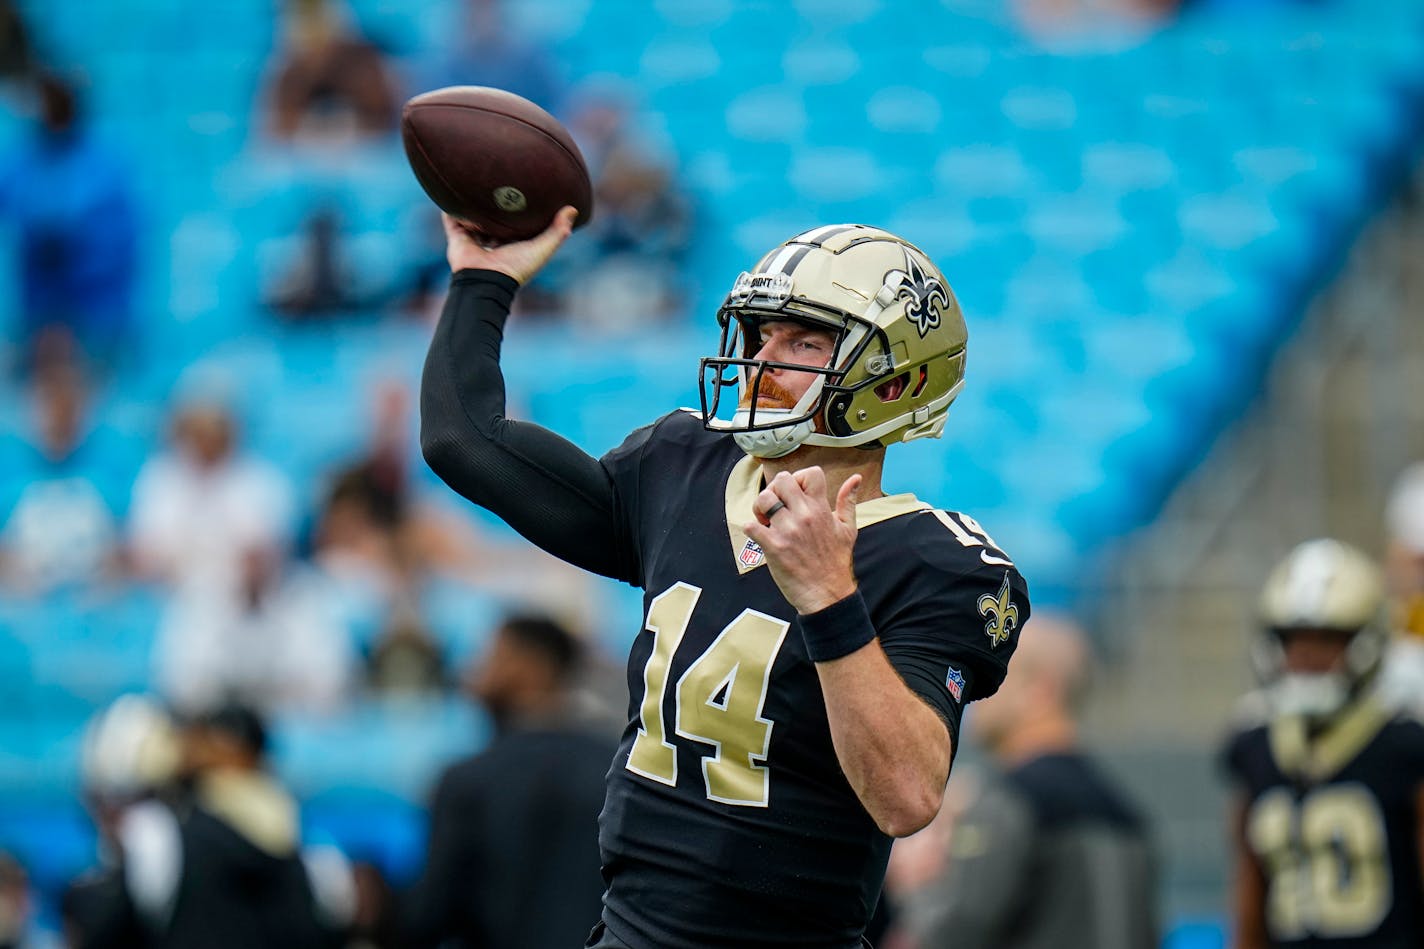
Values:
[(893, 748)]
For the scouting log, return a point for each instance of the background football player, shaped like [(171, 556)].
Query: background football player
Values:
[(795, 695), (1329, 812)]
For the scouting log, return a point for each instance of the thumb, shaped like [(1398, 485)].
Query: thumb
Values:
[(561, 226), (846, 499)]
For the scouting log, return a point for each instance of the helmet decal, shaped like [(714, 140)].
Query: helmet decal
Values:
[(925, 297)]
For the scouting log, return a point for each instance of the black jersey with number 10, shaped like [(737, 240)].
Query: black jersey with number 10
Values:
[(728, 820), (1333, 823)]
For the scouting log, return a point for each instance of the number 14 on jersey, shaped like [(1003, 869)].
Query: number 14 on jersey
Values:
[(718, 701)]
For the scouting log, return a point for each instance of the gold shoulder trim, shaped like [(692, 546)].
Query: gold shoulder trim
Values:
[(1324, 757), (256, 807)]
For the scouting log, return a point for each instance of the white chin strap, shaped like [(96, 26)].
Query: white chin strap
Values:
[(771, 442), (1316, 697), (777, 440)]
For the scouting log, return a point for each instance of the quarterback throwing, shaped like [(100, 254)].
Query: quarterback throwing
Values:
[(810, 641)]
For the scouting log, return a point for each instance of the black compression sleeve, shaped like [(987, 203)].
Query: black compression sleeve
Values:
[(545, 487)]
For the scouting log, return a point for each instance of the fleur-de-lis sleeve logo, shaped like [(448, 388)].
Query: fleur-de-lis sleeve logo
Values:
[(1000, 613)]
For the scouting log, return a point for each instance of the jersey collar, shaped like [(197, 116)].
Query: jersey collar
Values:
[(745, 483)]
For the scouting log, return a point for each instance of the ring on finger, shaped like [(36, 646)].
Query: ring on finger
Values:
[(771, 511)]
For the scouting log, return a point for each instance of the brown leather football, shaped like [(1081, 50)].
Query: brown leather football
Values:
[(494, 160)]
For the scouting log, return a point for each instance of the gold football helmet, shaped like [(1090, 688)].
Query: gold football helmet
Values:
[(899, 354), (1322, 586)]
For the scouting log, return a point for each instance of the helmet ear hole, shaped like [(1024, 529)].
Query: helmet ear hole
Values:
[(892, 389)]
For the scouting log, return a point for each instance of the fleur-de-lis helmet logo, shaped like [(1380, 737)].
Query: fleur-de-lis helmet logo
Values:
[(924, 294)]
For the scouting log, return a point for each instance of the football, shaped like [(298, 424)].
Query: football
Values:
[(494, 160)]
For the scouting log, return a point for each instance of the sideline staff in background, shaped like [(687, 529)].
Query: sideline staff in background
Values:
[(1328, 821), (1049, 845), (212, 859), (512, 859), (810, 642)]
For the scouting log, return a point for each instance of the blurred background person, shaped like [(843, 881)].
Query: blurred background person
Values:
[(1327, 821), (61, 527), (328, 83), (280, 645), (202, 510), (1402, 677), (76, 280), (628, 266), (217, 861), (486, 49), (1048, 844), (16, 56), (317, 283), (16, 905), (512, 858), (130, 754)]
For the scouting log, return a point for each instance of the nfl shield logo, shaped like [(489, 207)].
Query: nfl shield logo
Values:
[(752, 553), (954, 681)]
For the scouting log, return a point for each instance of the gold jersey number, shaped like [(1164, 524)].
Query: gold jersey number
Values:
[(718, 701), (1327, 863)]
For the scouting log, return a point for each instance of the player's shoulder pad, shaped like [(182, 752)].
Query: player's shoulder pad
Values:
[(957, 544), (670, 429)]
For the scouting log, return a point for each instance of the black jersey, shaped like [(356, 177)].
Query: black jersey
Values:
[(728, 820), (1334, 824)]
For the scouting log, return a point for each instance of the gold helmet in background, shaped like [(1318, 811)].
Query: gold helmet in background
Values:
[(899, 354), (1326, 587)]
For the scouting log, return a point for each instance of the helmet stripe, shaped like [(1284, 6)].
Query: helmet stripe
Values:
[(822, 234), (777, 264)]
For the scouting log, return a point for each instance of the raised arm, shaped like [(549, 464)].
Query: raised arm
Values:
[(545, 487)]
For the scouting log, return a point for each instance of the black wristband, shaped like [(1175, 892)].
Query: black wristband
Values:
[(838, 630)]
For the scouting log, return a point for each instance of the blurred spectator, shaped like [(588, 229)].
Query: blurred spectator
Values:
[(1082, 22), (1402, 677), (281, 645), (328, 83), (14, 904), (61, 530), (488, 52), (406, 659), (419, 289), (513, 856), (318, 283), (72, 201), (220, 863), (629, 262), (16, 56), (380, 538), (200, 510), (1049, 845)]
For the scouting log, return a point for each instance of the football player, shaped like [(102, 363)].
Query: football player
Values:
[(810, 641), (1329, 810)]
